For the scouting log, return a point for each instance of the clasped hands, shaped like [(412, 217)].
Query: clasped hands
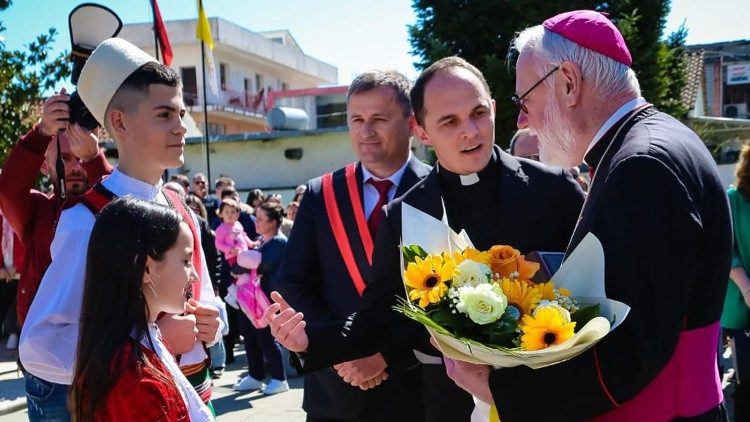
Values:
[(288, 327), (200, 322)]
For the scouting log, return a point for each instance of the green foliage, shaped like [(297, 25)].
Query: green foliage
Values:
[(582, 316), (411, 252), (481, 31), (24, 76)]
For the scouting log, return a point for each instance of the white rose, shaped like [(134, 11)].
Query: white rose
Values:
[(471, 273), (554, 305), (484, 303)]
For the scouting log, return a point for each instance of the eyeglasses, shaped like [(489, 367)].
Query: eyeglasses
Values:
[(199, 182), (518, 100)]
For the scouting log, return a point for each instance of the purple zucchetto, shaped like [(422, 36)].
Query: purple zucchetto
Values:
[(592, 30)]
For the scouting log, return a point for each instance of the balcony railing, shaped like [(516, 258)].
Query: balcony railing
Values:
[(245, 100)]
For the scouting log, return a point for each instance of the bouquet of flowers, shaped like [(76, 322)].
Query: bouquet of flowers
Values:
[(482, 307)]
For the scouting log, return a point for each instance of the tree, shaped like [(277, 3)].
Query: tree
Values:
[(481, 31), (24, 76)]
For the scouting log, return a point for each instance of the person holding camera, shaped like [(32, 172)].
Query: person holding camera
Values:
[(139, 102), (31, 213)]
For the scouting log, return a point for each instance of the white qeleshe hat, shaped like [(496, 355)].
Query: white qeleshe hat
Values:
[(109, 65)]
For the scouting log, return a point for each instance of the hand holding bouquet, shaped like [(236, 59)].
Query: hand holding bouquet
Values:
[(482, 307)]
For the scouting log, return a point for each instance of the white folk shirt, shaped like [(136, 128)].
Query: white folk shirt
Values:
[(197, 410), (371, 195), (49, 337)]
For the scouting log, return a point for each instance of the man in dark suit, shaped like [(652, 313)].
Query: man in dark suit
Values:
[(328, 258), (496, 198), (658, 207)]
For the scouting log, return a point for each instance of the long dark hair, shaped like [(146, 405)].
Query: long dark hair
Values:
[(114, 310), (742, 172)]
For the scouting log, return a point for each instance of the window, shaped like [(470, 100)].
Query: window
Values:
[(284, 86), (247, 84), (223, 76), (258, 82), (189, 85), (216, 129)]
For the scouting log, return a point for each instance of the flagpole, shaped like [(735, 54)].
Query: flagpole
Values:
[(205, 112), (156, 35)]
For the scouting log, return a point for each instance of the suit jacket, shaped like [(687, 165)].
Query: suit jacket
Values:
[(519, 202), (315, 280), (658, 206)]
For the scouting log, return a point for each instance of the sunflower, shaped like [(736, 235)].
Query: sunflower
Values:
[(521, 295), (547, 328), (427, 278), (472, 254), (549, 292)]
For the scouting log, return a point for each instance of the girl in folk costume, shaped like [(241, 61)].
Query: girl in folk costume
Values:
[(139, 265)]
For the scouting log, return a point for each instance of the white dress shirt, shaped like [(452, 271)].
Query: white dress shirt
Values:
[(49, 337), (371, 195)]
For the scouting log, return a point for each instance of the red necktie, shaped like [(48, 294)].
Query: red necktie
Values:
[(375, 215)]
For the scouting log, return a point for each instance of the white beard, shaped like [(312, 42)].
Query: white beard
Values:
[(556, 137)]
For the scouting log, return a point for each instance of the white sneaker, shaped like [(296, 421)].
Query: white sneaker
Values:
[(12, 342), (248, 383), (275, 387)]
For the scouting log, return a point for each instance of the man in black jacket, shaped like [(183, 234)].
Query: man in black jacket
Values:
[(658, 207), (496, 198)]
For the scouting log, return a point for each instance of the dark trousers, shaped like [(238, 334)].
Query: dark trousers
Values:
[(225, 280), (443, 399), (741, 359), (260, 343), (233, 335), (7, 300)]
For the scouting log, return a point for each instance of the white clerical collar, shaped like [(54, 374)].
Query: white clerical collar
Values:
[(614, 118), (471, 178), (121, 184), (395, 178)]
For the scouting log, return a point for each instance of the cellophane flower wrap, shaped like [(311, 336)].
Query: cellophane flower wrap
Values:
[(482, 307)]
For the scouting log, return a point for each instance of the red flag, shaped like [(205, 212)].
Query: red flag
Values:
[(161, 32)]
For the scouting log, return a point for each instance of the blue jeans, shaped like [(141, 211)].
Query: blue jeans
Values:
[(46, 400), (218, 355)]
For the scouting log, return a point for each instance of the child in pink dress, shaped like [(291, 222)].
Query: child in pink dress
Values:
[(231, 238)]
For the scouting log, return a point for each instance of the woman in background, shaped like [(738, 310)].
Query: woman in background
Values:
[(735, 319)]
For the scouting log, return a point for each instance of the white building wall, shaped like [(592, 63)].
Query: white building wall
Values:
[(262, 164)]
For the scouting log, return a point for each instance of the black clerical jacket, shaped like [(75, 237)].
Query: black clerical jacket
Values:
[(658, 206), (516, 201)]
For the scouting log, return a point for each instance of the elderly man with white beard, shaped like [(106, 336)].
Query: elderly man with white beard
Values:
[(658, 206)]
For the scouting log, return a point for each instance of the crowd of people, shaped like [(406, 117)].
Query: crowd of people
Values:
[(132, 292)]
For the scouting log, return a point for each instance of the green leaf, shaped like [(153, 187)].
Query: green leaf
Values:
[(411, 252), (582, 316)]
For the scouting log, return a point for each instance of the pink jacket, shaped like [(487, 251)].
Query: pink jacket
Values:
[(229, 236)]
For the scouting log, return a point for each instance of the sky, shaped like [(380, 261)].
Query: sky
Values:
[(353, 35)]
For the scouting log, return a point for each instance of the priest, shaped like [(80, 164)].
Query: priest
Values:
[(659, 208), (477, 187)]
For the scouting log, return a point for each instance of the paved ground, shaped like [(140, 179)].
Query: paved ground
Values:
[(230, 405)]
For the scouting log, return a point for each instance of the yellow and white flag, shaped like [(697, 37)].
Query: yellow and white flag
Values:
[(203, 33)]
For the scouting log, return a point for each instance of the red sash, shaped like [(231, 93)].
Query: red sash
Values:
[(337, 224), (179, 205), (98, 197)]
